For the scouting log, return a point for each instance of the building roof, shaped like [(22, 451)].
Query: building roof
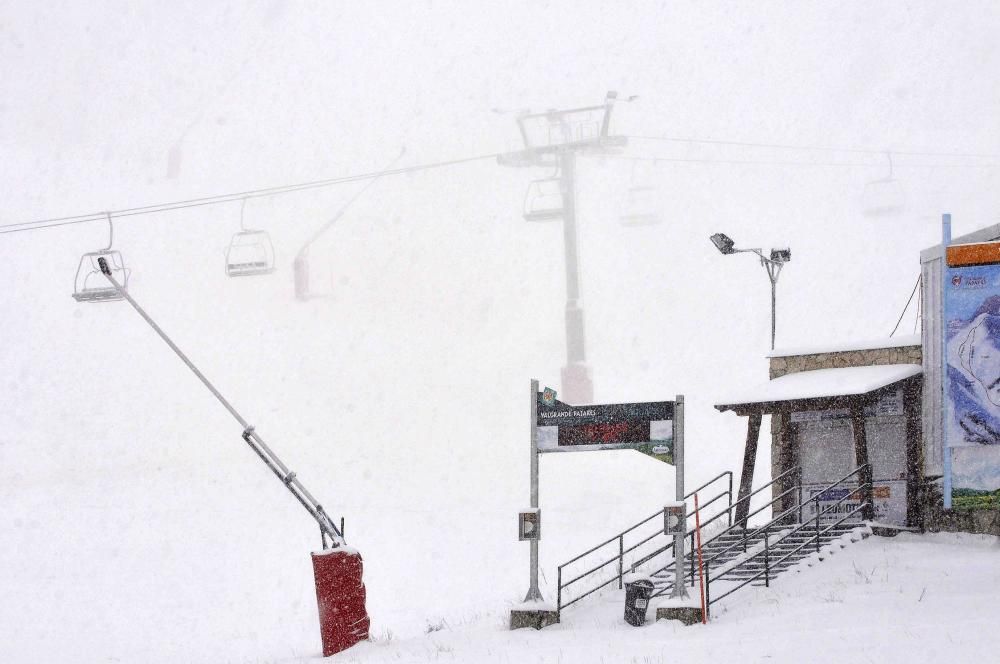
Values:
[(987, 234), (831, 385), (893, 342)]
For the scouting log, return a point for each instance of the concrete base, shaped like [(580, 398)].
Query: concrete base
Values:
[(537, 618), (689, 615)]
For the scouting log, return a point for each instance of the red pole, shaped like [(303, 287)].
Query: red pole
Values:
[(701, 575)]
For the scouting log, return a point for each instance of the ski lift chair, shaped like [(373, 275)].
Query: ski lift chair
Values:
[(883, 197), (640, 208), (91, 285), (544, 200), (250, 251)]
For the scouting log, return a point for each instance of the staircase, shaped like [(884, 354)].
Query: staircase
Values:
[(741, 554), (787, 546)]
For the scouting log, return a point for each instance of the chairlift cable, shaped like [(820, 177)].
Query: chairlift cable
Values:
[(227, 198), (775, 162), (816, 148)]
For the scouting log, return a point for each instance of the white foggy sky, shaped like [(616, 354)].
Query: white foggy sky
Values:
[(94, 95)]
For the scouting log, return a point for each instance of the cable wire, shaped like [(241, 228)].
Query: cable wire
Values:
[(816, 148), (775, 162), (227, 198), (912, 293)]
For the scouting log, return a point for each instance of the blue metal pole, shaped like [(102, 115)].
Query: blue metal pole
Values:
[(945, 450)]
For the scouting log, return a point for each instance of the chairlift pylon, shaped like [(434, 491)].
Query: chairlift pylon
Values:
[(884, 196), (544, 200), (250, 252), (90, 284)]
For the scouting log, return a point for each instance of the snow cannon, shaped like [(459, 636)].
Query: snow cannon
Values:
[(340, 595), (340, 591)]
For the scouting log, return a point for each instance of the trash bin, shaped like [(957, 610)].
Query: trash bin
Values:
[(637, 594)]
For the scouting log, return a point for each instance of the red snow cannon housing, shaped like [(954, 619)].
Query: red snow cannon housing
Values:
[(340, 594)]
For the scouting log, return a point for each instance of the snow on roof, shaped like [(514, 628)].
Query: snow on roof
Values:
[(894, 342), (843, 381)]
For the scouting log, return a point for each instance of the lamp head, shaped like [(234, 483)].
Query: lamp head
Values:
[(781, 255), (723, 243)]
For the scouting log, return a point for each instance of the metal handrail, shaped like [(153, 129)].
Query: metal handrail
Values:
[(800, 527), (761, 488), (645, 559), (635, 546), (622, 550), (765, 572), (632, 548), (748, 536), (653, 516), (816, 538)]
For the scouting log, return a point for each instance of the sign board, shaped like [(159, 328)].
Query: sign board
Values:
[(529, 525), (889, 499), (646, 427), (890, 403), (972, 381), (674, 519)]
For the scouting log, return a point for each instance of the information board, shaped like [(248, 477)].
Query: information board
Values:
[(972, 384), (646, 427)]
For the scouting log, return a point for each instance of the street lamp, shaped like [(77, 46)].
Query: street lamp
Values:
[(772, 264)]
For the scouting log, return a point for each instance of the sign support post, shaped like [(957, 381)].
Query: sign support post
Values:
[(679, 589), (534, 594), (945, 450)]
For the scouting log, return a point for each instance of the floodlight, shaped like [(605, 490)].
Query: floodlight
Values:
[(781, 255), (723, 243)]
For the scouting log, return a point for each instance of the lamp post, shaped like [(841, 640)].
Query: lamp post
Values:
[(772, 265)]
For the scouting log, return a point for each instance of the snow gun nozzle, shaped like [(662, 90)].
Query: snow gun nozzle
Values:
[(103, 263)]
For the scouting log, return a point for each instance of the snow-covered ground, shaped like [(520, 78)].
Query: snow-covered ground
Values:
[(136, 526), (914, 598)]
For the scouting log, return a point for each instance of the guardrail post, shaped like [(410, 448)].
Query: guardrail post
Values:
[(817, 523), (767, 558), (708, 597), (621, 559), (559, 588), (730, 492), (691, 549), (800, 504)]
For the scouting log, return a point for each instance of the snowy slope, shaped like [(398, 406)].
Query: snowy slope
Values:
[(914, 599)]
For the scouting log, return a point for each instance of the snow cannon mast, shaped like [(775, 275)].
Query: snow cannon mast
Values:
[(329, 533)]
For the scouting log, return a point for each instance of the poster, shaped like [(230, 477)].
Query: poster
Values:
[(972, 385), (888, 497), (645, 427)]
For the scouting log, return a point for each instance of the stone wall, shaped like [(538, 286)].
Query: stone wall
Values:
[(850, 358)]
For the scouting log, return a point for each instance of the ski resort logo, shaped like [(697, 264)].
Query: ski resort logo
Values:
[(958, 281), (549, 397)]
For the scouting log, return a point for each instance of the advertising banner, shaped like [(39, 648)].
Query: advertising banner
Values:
[(972, 384), (889, 501), (646, 427)]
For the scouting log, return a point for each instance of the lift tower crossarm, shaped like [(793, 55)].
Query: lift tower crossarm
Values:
[(287, 477)]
